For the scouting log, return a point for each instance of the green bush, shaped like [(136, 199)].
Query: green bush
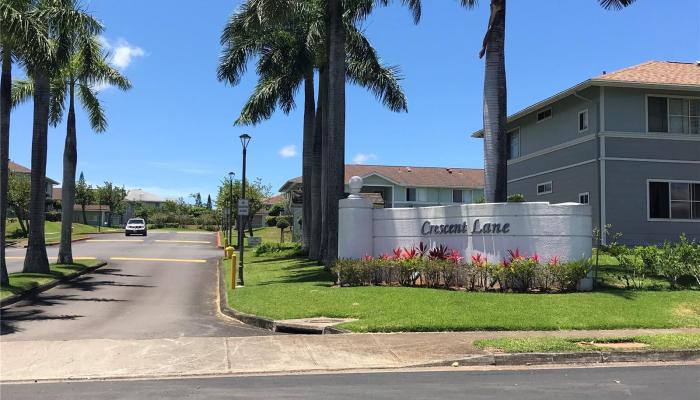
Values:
[(408, 267), (271, 220), (53, 216), (266, 248), (516, 198), (276, 209)]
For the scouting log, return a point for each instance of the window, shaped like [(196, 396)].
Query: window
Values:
[(583, 198), (673, 115), (583, 121), (514, 143), (457, 195), (544, 114), (410, 194), (674, 200), (544, 188)]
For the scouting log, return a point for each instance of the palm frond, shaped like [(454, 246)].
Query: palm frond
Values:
[(57, 101), (615, 4), (91, 103), (22, 90)]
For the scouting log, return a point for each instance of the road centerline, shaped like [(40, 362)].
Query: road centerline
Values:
[(114, 240), (182, 241), (182, 260)]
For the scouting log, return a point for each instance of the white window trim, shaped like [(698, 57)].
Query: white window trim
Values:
[(669, 219), (578, 120), (520, 147), (668, 112), (537, 115), (584, 194), (551, 188)]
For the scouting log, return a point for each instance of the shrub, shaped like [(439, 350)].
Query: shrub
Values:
[(271, 220), (53, 216), (276, 209), (265, 248), (515, 198)]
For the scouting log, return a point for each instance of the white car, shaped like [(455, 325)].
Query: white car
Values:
[(135, 226)]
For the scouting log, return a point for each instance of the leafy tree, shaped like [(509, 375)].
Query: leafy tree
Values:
[(18, 198), (256, 193), (86, 67), (495, 97), (62, 19), (209, 204), (22, 37), (113, 197), (84, 195), (282, 224), (197, 197)]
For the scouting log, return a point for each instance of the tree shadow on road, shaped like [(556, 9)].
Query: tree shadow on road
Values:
[(115, 272), (10, 317), (89, 284)]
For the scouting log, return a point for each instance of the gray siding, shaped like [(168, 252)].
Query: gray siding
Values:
[(653, 149), (579, 153), (625, 108), (566, 186), (626, 200), (562, 127)]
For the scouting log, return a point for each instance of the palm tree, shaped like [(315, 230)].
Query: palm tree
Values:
[(20, 35), (86, 68), (495, 97), (289, 52), (62, 19)]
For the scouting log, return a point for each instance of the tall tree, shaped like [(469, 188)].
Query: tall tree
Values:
[(22, 37), (290, 48), (112, 196), (495, 97), (86, 68), (62, 18), (209, 205), (18, 198), (84, 195)]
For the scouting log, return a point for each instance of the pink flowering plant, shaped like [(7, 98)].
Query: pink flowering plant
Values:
[(441, 266)]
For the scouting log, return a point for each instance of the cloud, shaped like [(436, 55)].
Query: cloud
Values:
[(288, 151), (362, 158), (173, 193), (121, 55)]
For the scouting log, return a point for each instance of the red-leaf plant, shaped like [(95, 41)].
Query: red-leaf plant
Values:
[(438, 253)]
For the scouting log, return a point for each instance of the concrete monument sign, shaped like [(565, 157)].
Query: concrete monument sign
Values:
[(562, 230)]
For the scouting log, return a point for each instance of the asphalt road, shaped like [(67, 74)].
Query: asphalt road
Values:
[(171, 293), (639, 383)]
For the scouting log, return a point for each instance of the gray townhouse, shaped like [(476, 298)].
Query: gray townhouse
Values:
[(625, 142)]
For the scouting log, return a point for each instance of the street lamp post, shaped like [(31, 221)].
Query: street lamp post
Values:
[(230, 207), (245, 139)]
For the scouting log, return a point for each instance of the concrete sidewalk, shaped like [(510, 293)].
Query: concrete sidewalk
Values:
[(191, 356)]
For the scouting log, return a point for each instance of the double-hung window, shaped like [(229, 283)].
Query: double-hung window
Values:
[(410, 194), (673, 115), (674, 200), (457, 195), (513, 143)]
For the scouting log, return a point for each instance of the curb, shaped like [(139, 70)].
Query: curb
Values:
[(42, 288), (590, 357), (265, 323)]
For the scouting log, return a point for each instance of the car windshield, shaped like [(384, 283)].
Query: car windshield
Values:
[(135, 221)]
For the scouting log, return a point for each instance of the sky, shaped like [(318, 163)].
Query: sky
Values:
[(172, 134)]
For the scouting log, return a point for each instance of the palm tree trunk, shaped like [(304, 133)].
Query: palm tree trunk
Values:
[(316, 205), (36, 259), (5, 105), (334, 164), (307, 166), (70, 160), (495, 101)]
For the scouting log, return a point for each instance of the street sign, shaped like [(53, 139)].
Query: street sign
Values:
[(226, 211), (242, 210), (243, 203)]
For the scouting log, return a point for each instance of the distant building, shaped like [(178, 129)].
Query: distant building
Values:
[(139, 196), (626, 142), (21, 169), (95, 214), (402, 186)]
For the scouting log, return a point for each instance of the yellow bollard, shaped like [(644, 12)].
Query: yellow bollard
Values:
[(233, 270), (228, 252)]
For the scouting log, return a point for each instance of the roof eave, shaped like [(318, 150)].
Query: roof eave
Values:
[(586, 84)]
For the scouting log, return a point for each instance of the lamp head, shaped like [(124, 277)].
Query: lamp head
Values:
[(245, 139)]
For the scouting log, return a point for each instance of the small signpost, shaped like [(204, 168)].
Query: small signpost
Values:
[(243, 207)]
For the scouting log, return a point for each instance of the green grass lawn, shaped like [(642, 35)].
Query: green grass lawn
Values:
[(20, 282), (53, 230), (280, 287), (555, 344), (268, 234)]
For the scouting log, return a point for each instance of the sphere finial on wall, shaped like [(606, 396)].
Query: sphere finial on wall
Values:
[(355, 184)]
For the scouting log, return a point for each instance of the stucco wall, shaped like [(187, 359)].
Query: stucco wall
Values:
[(625, 108), (563, 230)]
